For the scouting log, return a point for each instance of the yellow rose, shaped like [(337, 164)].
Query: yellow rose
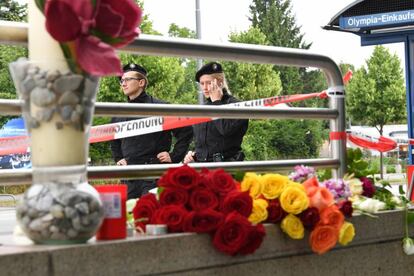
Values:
[(294, 199), (259, 212), (252, 182), (292, 226), (297, 185), (347, 233), (273, 185)]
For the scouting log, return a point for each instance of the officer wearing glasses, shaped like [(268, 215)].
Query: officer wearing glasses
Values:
[(152, 148)]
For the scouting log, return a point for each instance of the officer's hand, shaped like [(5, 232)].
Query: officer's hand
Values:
[(122, 162), (189, 157), (164, 157), (216, 93)]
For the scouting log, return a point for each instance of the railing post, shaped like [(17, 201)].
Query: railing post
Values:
[(338, 146)]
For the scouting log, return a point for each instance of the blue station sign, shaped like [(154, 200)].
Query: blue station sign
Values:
[(377, 20)]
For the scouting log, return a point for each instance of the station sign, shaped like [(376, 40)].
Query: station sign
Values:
[(373, 21)]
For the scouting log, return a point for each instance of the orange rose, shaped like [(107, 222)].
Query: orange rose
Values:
[(323, 238), (332, 216), (311, 182), (319, 197)]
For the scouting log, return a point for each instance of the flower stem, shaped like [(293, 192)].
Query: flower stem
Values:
[(406, 219)]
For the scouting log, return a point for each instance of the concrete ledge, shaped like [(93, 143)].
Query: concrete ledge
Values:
[(376, 249)]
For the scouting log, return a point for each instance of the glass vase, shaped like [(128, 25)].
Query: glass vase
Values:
[(57, 106)]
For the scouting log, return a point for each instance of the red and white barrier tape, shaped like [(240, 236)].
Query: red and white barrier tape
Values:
[(108, 132)]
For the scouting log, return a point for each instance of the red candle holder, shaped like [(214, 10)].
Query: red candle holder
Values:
[(114, 203)]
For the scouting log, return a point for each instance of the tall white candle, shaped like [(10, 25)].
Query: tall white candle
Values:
[(43, 49), (51, 146)]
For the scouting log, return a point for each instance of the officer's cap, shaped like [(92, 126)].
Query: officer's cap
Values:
[(135, 67), (208, 69)]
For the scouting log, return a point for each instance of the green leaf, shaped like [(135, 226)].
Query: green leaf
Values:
[(410, 217), (41, 5), (160, 190), (357, 154), (239, 176), (401, 190)]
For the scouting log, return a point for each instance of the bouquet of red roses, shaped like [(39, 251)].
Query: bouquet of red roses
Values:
[(206, 202)]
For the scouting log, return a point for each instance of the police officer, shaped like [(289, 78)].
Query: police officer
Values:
[(152, 148), (218, 140)]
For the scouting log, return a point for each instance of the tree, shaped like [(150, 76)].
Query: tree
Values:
[(188, 88), (10, 11), (376, 94), (275, 19), (13, 11), (252, 81), (269, 139), (177, 31)]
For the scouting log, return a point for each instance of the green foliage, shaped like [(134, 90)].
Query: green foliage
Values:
[(276, 20), (177, 31), (324, 174), (356, 164), (10, 11), (13, 11), (100, 153), (385, 195), (266, 140), (252, 81), (345, 67), (376, 95)]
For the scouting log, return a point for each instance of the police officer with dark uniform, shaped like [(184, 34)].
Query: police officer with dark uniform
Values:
[(152, 148), (218, 140)]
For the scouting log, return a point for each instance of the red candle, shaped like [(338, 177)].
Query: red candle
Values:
[(114, 202)]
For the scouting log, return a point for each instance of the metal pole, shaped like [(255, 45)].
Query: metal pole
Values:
[(157, 45), (11, 177), (199, 61), (409, 77), (13, 107)]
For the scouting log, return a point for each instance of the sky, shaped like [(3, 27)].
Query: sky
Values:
[(220, 17)]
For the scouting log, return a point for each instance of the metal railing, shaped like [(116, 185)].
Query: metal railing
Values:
[(16, 33)]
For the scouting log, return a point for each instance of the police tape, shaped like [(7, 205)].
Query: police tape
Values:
[(108, 132), (382, 143)]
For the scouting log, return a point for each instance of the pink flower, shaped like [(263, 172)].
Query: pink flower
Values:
[(92, 30)]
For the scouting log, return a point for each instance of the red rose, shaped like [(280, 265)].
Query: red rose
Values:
[(172, 215), (144, 210), (202, 198), (240, 202), (232, 234), (367, 186), (222, 182), (310, 217), (275, 211), (204, 179), (345, 206), (183, 177), (254, 239), (202, 221), (171, 196)]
